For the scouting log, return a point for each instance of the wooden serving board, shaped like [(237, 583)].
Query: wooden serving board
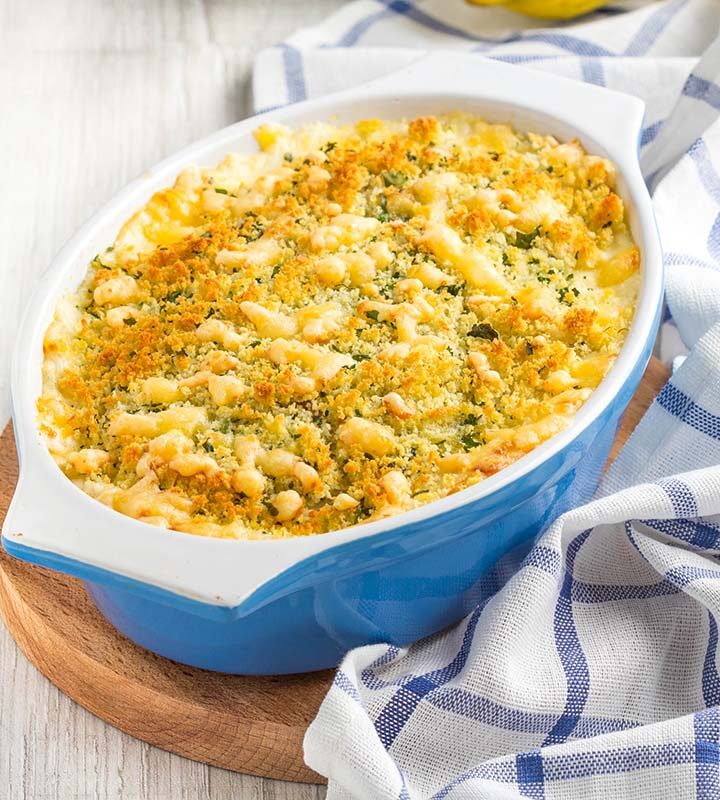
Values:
[(247, 724)]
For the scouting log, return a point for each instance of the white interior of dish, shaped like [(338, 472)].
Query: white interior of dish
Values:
[(50, 513)]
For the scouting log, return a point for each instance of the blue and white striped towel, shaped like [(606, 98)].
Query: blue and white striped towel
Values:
[(592, 671)]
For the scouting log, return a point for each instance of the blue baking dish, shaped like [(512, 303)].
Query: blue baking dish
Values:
[(280, 606)]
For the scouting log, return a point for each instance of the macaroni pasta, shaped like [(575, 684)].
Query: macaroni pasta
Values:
[(349, 323)]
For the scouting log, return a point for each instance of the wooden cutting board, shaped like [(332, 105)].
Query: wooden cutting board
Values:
[(248, 724)]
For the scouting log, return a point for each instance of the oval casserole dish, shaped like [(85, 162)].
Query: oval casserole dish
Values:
[(293, 605)]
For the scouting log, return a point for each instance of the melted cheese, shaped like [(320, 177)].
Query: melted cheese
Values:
[(342, 326)]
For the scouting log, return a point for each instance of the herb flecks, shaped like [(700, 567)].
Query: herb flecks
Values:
[(483, 330), (524, 241), (383, 215), (566, 294), (394, 178), (469, 442)]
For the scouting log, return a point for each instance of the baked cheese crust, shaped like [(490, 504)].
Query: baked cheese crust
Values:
[(352, 322)]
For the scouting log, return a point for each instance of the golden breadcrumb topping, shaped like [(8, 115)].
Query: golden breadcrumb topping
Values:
[(350, 323)]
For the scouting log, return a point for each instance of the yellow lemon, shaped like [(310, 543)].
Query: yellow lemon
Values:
[(557, 9)]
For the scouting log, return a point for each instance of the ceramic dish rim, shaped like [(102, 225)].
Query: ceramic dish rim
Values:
[(26, 430)]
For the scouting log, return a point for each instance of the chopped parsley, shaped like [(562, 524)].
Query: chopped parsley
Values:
[(384, 215), (224, 425), (565, 291), (483, 330), (525, 240), (468, 442), (394, 178)]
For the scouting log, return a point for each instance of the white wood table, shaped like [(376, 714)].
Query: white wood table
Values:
[(93, 92)]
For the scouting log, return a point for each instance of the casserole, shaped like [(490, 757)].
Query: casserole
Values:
[(347, 325), (299, 604)]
